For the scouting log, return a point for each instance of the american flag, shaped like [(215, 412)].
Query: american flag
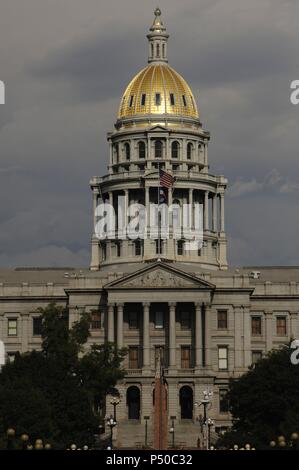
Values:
[(166, 180)]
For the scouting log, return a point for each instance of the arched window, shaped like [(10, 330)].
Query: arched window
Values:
[(127, 151), (189, 151), (186, 402), (141, 149), (158, 149), (158, 50), (152, 47), (163, 49), (175, 150), (133, 402)]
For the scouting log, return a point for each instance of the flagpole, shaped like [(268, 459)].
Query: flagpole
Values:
[(159, 234)]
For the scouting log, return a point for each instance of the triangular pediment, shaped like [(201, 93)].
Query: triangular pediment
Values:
[(158, 127), (160, 276)]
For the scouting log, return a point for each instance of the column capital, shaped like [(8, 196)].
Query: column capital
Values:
[(268, 313), (293, 313), (172, 304), (121, 304), (146, 304)]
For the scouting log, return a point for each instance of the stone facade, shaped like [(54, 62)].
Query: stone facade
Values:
[(210, 322)]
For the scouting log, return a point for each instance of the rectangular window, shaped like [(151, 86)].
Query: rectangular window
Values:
[(133, 357), (37, 326), (184, 100), (138, 248), (159, 320), (143, 99), (159, 247), (172, 100), (223, 400), (133, 320), (185, 320), (158, 99), (180, 247), (222, 319), (185, 357), (118, 249), (95, 323), (281, 326), (12, 327), (256, 356), (104, 251), (131, 101), (222, 358), (256, 326)]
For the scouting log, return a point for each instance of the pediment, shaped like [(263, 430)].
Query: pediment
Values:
[(158, 127), (160, 276)]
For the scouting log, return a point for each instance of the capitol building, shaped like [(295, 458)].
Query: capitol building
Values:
[(205, 321)]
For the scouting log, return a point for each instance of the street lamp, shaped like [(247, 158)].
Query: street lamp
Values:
[(111, 423), (171, 430), (73, 447), (210, 423), (114, 401), (10, 433), (205, 402), (39, 444)]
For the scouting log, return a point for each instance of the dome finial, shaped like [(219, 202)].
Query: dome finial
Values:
[(157, 39)]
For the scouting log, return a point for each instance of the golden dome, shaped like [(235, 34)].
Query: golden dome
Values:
[(158, 90)]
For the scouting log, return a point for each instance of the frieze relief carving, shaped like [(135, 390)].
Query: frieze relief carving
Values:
[(159, 278)]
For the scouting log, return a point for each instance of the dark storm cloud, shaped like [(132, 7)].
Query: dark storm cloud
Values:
[(66, 63)]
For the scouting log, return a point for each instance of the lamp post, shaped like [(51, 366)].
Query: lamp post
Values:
[(146, 418), (171, 430), (10, 434), (114, 402), (210, 424), (205, 402), (111, 423), (24, 438)]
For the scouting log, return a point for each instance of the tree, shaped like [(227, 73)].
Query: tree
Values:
[(264, 401), (52, 394)]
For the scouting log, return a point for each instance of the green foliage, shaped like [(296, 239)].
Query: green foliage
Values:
[(264, 401), (51, 394)]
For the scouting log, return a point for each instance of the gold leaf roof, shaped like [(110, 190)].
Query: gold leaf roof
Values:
[(175, 96)]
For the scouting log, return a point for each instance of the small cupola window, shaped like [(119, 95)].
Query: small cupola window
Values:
[(172, 99), (131, 101), (158, 99), (143, 99)]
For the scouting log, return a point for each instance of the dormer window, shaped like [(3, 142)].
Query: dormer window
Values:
[(131, 101), (143, 99), (184, 100), (172, 100), (158, 99)]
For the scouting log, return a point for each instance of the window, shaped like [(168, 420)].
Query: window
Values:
[(11, 356), (133, 320), (184, 100), (159, 320), (185, 320), (133, 357), (131, 101), (281, 326), (127, 151), (95, 323), (104, 251), (256, 326), (12, 327), (185, 357), (143, 99), (159, 247), (163, 50), (37, 324), (256, 356), (222, 358), (118, 249), (158, 99), (189, 150), (222, 319), (138, 248), (172, 100), (141, 149), (223, 401), (180, 247), (158, 50), (158, 149), (116, 153), (175, 150)]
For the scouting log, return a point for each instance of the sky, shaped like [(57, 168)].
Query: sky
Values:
[(65, 65)]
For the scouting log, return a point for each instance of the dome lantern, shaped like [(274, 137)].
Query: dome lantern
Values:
[(157, 40)]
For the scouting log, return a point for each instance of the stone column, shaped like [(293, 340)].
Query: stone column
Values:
[(198, 336), (146, 336), (95, 193), (191, 218), (208, 336), (111, 323), (214, 213), (147, 206), (222, 224), (294, 327), (25, 331), (206, 211), (237, 337), (120, 325), (172, 335), (269, 330), (247, 336)]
